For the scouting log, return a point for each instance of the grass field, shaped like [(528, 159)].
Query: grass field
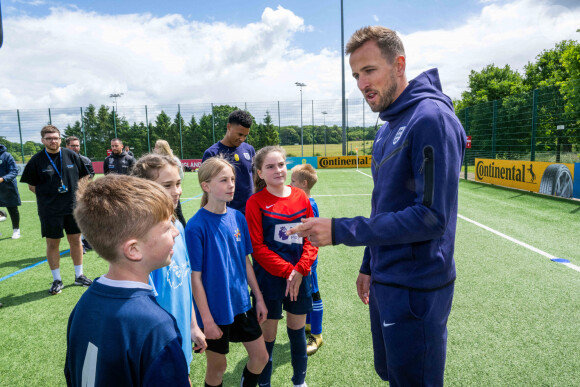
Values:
[(515, 319)]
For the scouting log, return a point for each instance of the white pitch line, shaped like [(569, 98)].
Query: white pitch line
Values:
[(364, 174), (523, 244), (509, 238)]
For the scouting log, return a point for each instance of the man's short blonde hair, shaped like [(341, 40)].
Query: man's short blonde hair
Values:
[(389, 43), (116, 208), (305, 172)]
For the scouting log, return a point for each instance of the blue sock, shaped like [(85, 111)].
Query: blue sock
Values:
[(298, 354), (266, 374), (316, 319)]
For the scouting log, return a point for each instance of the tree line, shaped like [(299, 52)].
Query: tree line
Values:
[(188, 138), (512, 114)]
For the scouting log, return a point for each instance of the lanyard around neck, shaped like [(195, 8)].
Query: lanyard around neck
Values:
[(52, 162)]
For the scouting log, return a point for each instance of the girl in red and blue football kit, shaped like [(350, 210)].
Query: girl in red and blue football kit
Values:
[(281, 263)]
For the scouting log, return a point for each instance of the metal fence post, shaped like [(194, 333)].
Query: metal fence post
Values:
[(20, 130), (466, 132), (494, 130), (148, 134), (363, 136), (534, 125), (312, 128), (279, 127), (180, 133), (83, 131), (49, 117), (213, 123)]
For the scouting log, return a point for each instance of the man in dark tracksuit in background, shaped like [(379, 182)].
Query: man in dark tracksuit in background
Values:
[(408, 271), (118, 161)]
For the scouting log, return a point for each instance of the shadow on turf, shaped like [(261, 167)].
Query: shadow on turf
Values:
[(281, 356), (12, 300), (22, 263)]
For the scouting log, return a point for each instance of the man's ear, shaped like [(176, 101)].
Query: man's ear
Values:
[(400, 65), (132, 250), (228, 127)]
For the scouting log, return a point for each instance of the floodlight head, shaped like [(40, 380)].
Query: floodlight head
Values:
[(300, 84)]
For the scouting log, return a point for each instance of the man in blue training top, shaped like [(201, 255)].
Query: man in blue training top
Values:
[(408, 271), (239, 153)]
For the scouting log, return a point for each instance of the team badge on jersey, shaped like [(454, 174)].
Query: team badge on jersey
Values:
[(237, 235), (399, 134), (236, 157), (69, 165), (280, 234), (176, 274), (247, 156)]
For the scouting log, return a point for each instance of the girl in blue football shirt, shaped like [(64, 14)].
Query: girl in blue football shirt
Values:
[(172, 284), (219, 243)]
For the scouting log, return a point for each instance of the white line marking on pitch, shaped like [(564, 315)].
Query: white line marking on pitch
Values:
[(364, 174), (523, 244), (509, 238)]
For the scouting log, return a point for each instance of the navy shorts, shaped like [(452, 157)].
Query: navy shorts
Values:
[(53, 226), (244, 329), (409, 332), (302, 305)]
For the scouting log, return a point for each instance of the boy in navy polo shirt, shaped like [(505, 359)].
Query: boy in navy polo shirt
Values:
[(117, 334)]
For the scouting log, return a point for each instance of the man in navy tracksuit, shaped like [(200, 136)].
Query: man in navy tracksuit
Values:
[(408, 271)]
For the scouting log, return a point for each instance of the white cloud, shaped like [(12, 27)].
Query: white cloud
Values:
[(73, 58), (376, 18), (513, 33)]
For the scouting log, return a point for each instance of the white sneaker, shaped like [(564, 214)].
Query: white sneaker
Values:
[(16, 233), (301, 385), (2, 218)]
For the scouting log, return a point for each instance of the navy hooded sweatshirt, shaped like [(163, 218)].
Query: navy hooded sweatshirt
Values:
[(417, 156)]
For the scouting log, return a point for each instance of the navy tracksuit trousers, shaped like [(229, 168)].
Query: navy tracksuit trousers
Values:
[(409, 331)]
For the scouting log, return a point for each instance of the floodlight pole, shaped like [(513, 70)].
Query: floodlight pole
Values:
[(115, 96), (301, 85), (344, 139)]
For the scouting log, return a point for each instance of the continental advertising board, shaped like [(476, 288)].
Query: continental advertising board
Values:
[(536, 176), (344, 162)]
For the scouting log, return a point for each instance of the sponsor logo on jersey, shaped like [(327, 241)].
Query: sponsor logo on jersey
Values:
[(237, 235), (399, 134), (247, 156), (236, 157), (280, 234)]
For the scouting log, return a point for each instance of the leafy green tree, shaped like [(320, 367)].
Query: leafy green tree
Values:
[(490, 84)]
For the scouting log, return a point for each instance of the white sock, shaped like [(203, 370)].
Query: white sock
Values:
[(78, 270), (56, 275)]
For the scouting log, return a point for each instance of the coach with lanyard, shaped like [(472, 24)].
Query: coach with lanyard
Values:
[(408, 271), (53, 175)]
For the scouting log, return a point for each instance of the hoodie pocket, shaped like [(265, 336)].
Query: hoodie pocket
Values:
[(428, 172)]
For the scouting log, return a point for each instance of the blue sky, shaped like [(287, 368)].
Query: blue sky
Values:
[(72, 53)]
